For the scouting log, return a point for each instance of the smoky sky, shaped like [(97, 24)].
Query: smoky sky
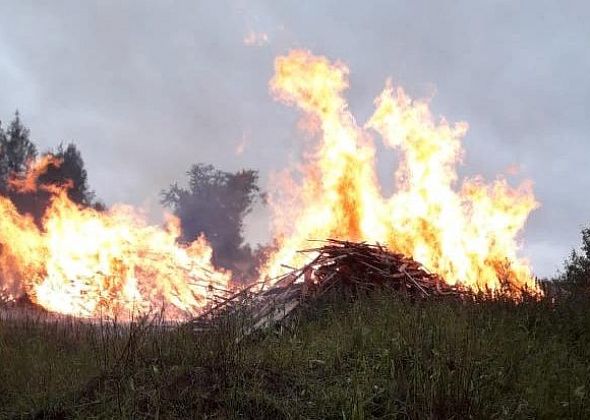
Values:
[(146, 88)]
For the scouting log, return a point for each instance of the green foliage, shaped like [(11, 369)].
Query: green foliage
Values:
[(16, 153), (71, 171), (215, 204), (576, 274), (376, 357), (16, 150)]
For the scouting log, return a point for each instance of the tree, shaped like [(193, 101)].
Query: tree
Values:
[(71, 170), (16, 151), (215, 204), (68, 171), (577, 267)]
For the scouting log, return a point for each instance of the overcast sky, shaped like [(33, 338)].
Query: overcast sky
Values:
[(146, 88)]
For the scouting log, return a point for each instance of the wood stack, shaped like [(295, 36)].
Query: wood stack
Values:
[(336, 264), (366, 266)]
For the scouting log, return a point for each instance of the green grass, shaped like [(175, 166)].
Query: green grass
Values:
[(378, 356)]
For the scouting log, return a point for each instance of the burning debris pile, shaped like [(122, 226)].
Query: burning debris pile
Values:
[(83, 262), (5, 298), (465, 230), (338, 264), (365, 266)]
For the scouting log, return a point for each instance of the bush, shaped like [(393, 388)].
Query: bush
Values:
[(576, 274)]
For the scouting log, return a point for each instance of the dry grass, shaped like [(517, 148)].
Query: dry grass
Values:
[(378, 356)]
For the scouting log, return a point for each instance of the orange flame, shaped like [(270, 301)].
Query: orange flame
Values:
[(36, 168), (88, 263), (466, 234)]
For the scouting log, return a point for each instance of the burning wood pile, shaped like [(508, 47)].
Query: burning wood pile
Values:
[(4, 298), (337, 264)]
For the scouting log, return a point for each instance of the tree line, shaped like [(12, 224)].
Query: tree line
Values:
[(213, 203)]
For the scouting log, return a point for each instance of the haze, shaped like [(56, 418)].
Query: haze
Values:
[(147, 88)]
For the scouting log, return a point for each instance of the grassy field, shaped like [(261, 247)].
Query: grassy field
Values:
[(378, 356)]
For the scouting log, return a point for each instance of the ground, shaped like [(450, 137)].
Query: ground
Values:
[(376, 356)]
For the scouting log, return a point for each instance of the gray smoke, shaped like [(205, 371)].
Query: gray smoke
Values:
[(147, 88)]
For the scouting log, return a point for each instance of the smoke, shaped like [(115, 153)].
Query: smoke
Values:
[(147, 89)]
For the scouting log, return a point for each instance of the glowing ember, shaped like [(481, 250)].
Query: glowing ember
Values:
[(467, 234)]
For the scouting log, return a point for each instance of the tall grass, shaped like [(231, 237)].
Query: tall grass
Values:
[(377, 356)]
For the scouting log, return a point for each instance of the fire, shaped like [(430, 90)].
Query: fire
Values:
[(28, 182), (88, 263), (465, 232)]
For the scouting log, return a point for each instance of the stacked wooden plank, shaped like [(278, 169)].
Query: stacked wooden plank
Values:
[(335, 264), (362, 265)]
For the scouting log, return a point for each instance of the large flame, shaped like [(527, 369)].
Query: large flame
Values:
[(465, 233), (89, 263)]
